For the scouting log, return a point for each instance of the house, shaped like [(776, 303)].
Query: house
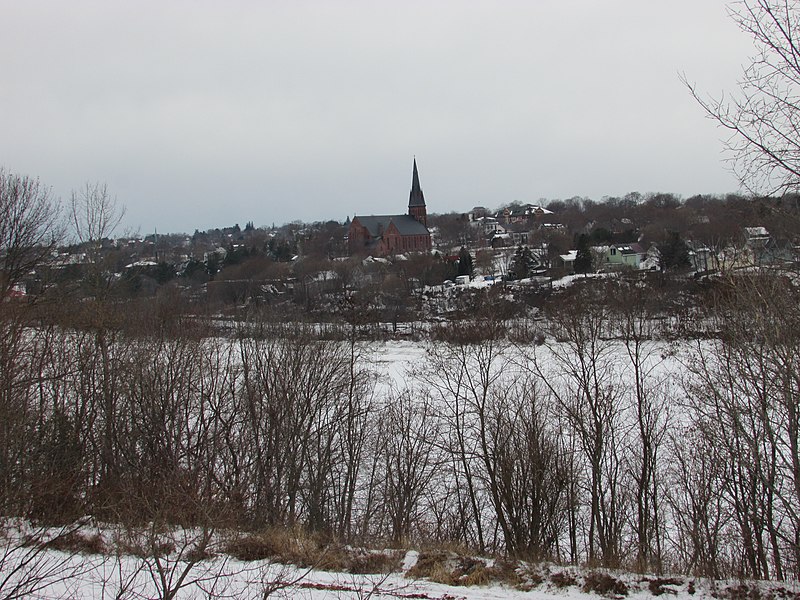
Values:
[(757, 244), (566, 261), (489, 225), (702, 258), (384, 235), (525, 213), (622, 255)]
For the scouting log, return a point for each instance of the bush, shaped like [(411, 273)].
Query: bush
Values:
[(365, 562), (604, 584), (268, 544), (75, 541), (450, 569), (659, 586), (528, 579), (562, 579), (291, 548), (430, 564)]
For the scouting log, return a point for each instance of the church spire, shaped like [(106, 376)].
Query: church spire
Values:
[(415, 198)]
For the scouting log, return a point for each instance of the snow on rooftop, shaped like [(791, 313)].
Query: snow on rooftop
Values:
[(142, 263), (753, 232), (569, 256)]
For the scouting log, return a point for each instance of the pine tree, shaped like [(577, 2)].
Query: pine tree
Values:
[(583, 260), (522, 263), (674, 252), (465, 266)]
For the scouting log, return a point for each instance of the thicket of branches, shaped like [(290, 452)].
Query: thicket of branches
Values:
[(584, 449)]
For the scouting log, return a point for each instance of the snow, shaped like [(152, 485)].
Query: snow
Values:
[(569, 256), (142, 263), (104, 576), (568, 280)]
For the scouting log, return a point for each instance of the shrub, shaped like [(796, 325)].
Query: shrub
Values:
[(528, 577), (562, 579), (604, 584), (76, 542), (364, 562), (278, 544), (291, 548), (430, 563), (659, 586), (450, 569)]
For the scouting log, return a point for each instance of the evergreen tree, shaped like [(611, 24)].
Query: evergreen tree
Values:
[(674, 253), (583, 260), (465, 266), (522, 264)]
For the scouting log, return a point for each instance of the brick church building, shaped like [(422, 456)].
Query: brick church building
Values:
[(384, 235)]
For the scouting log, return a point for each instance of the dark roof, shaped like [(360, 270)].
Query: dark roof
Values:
[(406, 225), (415, 198)]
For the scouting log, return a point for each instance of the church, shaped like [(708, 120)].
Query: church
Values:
[(385, 235)]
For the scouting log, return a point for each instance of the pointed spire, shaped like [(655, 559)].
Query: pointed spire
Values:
[(416, 198)]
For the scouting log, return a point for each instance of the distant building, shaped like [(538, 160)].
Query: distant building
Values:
[(383, 235), (525, 213), (619, 255)]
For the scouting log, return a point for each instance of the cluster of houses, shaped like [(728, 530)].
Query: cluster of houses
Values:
[(502, 232), (511, 226), (530, 225)]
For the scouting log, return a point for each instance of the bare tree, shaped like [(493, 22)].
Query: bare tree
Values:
[(585, 385), (700, 512), (462, 374), (744, 400), (763, 117), (95, 214), (408, 434), (636, 323), (30, 227), (526, 468)]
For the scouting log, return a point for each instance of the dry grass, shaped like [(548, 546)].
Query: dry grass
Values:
[(563, 579), (291, 547), (604, 584), (663, 585), (745, 591), (77, 542), (450, 568)]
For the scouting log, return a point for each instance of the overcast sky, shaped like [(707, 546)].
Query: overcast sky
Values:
[(201, 114)]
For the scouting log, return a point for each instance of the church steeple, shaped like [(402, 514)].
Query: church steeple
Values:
[(416, 199)]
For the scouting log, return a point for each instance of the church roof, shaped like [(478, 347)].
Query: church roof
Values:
[(416, 198), (406, 225)]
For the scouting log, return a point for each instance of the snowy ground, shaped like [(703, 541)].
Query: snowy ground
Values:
[(396, 361), (97, 576)]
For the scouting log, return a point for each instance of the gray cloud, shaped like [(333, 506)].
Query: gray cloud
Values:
[(202, 114)]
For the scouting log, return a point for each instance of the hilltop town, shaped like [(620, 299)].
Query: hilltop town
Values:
[(416, 265)]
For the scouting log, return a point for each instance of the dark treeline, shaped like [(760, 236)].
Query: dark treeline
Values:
[(603, 445)]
